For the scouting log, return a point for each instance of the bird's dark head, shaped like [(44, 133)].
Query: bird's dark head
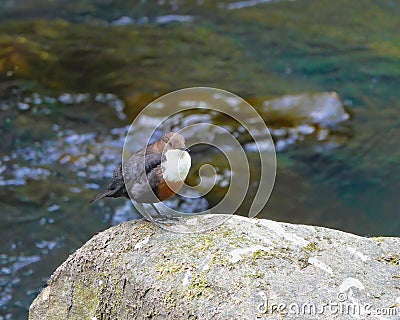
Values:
[(174, 141)]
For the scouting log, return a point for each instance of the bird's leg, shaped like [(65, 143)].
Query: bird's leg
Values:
[(160, 217), (148, 214), (158, 212), (164, 216), (141, 208)]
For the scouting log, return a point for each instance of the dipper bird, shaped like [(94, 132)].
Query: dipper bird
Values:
[(152, 174)]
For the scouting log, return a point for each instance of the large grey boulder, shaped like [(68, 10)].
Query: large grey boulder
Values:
[(244, 269)]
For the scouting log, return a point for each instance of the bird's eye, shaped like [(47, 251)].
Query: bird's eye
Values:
[(170, 144)]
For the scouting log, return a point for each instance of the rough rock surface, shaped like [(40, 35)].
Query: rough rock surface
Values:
[(244, 269)]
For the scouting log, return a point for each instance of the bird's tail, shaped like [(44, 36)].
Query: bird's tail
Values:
[(103, 194)]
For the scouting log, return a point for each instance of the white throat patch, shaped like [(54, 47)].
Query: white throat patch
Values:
[(176, 166)]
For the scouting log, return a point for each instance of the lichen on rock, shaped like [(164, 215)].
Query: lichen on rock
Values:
[(240, 270)]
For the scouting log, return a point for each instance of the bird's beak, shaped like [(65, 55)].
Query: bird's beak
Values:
[(185, 149)]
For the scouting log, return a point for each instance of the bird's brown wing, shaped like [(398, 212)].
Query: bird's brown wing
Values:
[(133, 171), (152, 161), (139, 164)]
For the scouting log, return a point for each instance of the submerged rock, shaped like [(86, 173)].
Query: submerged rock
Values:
[(245, 269), (323, 109), (319, 117)]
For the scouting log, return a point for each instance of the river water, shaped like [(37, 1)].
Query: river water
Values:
[(74, 74)]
